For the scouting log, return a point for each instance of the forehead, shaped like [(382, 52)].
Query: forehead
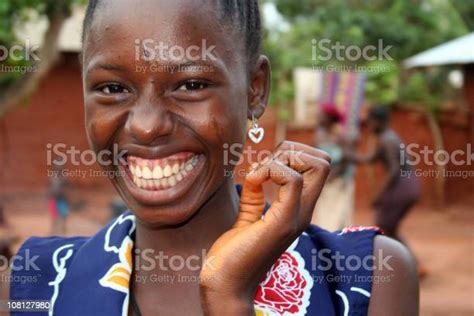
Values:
[(118, 25)]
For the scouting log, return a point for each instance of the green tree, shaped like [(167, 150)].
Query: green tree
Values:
[(409, 26), (16, 87)]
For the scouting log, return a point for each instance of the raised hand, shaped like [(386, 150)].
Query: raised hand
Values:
[(242, 256)]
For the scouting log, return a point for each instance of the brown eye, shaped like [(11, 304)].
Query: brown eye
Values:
[(193, 86), (113, 89)]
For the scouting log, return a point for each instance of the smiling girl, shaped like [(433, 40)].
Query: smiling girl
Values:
[(187, 220)]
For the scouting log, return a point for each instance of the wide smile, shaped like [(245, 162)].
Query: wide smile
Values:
[(164, 180)]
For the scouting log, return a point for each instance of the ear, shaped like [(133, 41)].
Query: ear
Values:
[(259, 90)]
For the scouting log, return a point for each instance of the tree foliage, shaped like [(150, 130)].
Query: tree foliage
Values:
[(409, 26), (16, 86)]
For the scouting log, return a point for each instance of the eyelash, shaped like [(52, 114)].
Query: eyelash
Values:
[(188, 86), (109, 85)]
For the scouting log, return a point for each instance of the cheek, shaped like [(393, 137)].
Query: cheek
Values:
[(102, 124), (228, 122)]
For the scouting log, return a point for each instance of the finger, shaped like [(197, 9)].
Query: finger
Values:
[(252, 201), (282, 216), (315, 172), (298, 147)]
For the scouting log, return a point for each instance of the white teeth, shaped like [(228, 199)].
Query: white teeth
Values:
[(175, 168), (147, 173), (157, 172), (138, 172), (167, 172), (158, 178), (172, 181), (189, 167)]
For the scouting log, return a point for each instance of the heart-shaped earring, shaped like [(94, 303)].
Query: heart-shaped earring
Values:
[(256, 133)]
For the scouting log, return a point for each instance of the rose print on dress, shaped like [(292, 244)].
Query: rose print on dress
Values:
[(286, 288)]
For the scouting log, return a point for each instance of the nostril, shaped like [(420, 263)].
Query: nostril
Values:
[(145, 124)]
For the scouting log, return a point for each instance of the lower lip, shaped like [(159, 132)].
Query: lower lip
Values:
[(166, 196)]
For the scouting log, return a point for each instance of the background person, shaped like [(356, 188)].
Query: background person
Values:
[(398, 194), (335, 205), (58, 204)]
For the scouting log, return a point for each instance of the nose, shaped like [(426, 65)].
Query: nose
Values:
[(148, 121)]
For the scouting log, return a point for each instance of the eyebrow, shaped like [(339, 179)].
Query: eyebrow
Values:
[(218, 65), (109, 67)]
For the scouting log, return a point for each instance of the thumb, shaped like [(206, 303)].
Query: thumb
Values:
[(252, 201)]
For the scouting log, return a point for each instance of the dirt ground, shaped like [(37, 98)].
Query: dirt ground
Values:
[(442, 240)]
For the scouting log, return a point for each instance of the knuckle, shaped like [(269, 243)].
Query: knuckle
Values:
[(324, 165), (325, 156), (320, 166)]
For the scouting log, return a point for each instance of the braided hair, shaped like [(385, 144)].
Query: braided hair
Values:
[(242, 16)]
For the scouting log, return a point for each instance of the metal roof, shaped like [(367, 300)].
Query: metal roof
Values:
[(457, 51)]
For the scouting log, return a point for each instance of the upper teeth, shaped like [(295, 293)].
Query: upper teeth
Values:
[(149, 177)]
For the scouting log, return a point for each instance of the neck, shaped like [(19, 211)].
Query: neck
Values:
[(214, 218)]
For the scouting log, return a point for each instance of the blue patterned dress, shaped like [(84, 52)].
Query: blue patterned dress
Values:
[(321, 273)]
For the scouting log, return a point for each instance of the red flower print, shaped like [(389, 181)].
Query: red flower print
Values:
[(286, 289)]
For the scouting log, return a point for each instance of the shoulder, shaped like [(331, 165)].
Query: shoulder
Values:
[(397, 293), (360, 237), (43, 265), (46, 248), (341, 265), (38, 262)]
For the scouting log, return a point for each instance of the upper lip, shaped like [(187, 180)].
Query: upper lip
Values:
[(158, 152)]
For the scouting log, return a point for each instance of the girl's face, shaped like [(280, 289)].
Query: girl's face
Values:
[(164, 82)]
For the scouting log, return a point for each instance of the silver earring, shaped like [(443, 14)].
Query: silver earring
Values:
[(256, 133)]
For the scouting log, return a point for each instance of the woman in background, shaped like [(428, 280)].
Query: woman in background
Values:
[(335, 205), (397, 194)]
